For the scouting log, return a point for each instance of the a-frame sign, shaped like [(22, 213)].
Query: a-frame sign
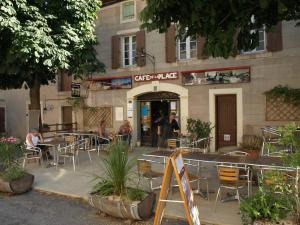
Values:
[(176, 165)]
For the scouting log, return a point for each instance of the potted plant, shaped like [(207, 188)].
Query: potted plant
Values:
[(112, 193), (251, 144), (198, 129), (12, 177), (273, 203)]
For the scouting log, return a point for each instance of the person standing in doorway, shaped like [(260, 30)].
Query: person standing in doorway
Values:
[(167, 128)]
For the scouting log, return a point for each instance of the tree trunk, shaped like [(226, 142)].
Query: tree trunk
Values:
[(35, 107)]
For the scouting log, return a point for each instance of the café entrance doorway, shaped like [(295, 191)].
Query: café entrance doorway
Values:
[(153, 107)]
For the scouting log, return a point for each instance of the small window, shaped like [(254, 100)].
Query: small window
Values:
[(129, 50), (64, 82), (187, 48), (261, 42), (128, 11)]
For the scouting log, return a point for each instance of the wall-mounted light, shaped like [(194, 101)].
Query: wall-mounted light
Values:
[(143, 53)]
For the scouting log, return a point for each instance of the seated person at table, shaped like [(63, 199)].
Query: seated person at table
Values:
[(168, 128), (33, 139), (103, 133), (126, 131)]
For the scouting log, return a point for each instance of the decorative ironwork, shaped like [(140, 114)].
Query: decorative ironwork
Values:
[(278, 110)]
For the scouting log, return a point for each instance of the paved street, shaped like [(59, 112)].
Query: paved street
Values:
[(35, 208)]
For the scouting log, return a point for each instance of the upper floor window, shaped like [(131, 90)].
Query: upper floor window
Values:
[(64, 82), (129, 50), (187, 48), (261, 42), (128, 11)]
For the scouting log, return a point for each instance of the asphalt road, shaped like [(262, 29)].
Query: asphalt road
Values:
[(35, 208)]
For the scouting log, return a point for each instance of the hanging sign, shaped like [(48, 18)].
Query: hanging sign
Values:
[(156, 76), (175, 165), (75, 90)]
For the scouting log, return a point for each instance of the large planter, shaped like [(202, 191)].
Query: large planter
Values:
[(19, 186), (290, 220), (135, 210)]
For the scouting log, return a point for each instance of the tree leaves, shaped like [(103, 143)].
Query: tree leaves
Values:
[(218, 21), (38, 37)]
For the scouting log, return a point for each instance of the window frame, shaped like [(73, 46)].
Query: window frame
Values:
[(122, 20), (130, 50), (253, 51), (187, 49)]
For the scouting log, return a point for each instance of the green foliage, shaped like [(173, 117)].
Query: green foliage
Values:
[(117, 171), (12, 173), (219, 21), (251, 142), (289, 95), (292, 159), (198, 129), (10, 151), (273, 201), (39, 38), (288, 136)]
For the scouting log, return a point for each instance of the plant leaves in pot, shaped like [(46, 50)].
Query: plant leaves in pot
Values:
[(112, 193)]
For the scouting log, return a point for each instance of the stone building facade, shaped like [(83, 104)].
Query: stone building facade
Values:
[(152, 73)]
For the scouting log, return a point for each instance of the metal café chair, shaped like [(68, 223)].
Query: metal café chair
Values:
[(70, 152), (229, 179), (87, 147), (32, 153), (270, 136), (102, 144), (195, 176), (172, 143), (243, 173), (145, 170)]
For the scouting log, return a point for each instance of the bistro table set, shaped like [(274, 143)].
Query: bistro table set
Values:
[(234, 169)]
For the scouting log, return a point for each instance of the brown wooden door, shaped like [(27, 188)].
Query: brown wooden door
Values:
[(2, 120), (67, 117), (226, 121)]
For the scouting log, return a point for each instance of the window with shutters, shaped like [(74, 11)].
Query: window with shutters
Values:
[(127, 11), (187, 48), (129, 50), (261, 42), (64, 82)]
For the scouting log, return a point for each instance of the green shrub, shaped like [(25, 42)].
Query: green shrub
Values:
[(12, 173), (251, 142), (273, 201), (198, 128)]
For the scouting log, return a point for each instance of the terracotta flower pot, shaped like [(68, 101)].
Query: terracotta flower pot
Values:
[(136, 210), (18, 186)]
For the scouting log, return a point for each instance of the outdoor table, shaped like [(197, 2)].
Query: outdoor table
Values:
[(55, 143), (261, 162)]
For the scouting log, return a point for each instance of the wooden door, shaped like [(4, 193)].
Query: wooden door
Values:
[(67, 117), (2, 120), (226, 121)]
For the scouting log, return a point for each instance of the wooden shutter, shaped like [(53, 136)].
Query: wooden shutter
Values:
[(200, 46), (115, 52), (274, 38), (171, 44), (140, 45), (2, 120)]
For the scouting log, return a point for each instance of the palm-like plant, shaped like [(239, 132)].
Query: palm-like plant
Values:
[(117, 173)]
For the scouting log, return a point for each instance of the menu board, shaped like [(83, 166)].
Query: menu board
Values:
[(176, 165)]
